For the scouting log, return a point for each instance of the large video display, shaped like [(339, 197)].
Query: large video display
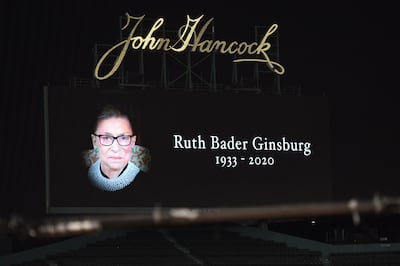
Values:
[(124, 151)]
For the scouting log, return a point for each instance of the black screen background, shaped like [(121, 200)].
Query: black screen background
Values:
[(190, 178)]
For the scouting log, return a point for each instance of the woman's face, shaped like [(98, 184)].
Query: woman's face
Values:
[(114, 157)]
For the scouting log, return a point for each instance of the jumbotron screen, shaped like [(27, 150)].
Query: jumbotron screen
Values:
[(132, 150)]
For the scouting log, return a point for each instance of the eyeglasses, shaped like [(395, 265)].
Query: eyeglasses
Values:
[(107, 140)]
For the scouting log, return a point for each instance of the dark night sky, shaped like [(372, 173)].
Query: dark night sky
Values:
[(346, 50)]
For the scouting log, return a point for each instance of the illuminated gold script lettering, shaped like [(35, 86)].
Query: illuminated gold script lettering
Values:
[(189, 39)]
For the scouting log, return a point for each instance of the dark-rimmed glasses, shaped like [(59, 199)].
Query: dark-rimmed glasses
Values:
[(107, 140)]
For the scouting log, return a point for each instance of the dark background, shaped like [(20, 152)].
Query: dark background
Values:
[(345, 50), (190, 177)]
